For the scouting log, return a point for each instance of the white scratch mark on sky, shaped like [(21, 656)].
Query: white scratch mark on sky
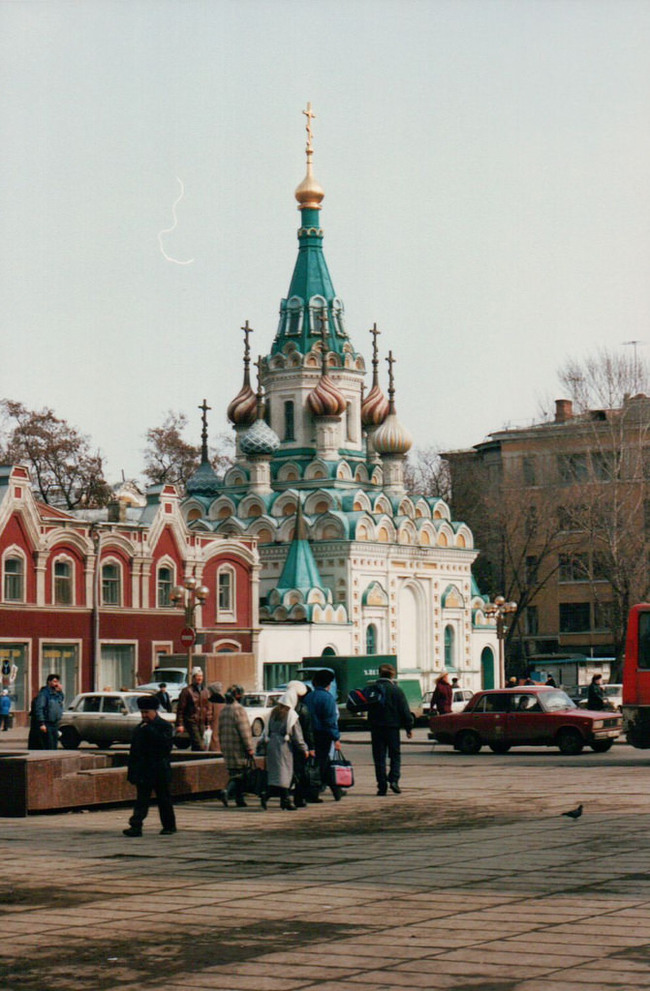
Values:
[(168, 230)]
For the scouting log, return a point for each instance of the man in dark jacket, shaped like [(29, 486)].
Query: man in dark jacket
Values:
[(149, 768), (194, 712), (47, 709), (596, 694), (386, 719), (163, 697)]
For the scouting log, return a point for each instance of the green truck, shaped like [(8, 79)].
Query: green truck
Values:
[(355, 672)]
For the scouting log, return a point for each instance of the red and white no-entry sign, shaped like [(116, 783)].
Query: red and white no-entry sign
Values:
[(188, 636)]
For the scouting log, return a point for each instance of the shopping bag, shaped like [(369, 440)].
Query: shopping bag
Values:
[(341, 771), (254, 778), (312, 779)]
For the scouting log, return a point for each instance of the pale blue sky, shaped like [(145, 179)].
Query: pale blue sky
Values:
[(486, 166)]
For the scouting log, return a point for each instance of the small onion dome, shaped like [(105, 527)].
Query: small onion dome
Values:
[(309, 193), (391, 437), (203, 482), (374, 408), (325, 399), (243, 409), (260, 439)]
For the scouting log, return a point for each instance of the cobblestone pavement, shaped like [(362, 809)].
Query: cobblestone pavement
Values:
[(471, 879)]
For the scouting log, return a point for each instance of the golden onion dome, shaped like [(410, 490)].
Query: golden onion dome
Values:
[(374, 408), (242, 410), (391, 437), (309, 193), (325, 399)]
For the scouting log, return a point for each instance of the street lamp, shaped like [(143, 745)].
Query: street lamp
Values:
[(498, 610), (188, 596)]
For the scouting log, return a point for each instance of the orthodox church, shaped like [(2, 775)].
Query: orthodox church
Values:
[(351, 563)]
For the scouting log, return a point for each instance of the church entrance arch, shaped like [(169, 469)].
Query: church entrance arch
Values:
[(410, 626), (487, 668)]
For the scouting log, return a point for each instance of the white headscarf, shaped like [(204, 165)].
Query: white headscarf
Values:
[(290, 699), (299, 687)]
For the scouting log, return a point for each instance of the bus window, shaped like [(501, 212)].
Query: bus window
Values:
[(644, 640)]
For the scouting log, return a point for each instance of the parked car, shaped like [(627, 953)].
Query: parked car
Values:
[(102, 718), (460, 698), (175, 679), (526, 716), (258, 707), (613, 695)]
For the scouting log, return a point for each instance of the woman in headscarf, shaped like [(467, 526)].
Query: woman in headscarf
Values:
[(236, 744), (283, 734), (218, 700), (443, 695), (302, 791)]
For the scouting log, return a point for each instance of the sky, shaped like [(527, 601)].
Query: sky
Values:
[(486, 167)]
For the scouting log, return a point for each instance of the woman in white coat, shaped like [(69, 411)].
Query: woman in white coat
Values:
[(282, 733)]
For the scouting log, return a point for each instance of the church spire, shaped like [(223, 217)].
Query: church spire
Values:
[(243, 408)]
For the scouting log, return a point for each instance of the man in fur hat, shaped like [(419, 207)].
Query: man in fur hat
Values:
[(150, 768)]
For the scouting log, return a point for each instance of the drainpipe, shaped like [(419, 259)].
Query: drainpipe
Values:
[(96, 537)]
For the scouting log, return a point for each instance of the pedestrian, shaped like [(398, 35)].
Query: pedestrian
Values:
[(455, 683), (550, 682), (443, 695), (149, 768), (386, 719), (325, 721), (163, 697), (5, 709), (302, 791), (193, 710), (217, 701), (46, 712), (596, 694), (236, 742), (512, 682), (283, 736)]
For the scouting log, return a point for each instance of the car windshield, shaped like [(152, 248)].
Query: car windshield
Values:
[(171, 677), (613, 689), (253, 701), (131, 702), (556, 700)]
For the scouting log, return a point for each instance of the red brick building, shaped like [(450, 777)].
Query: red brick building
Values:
[(88, 594)]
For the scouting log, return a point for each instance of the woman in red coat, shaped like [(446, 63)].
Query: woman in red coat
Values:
[(443, 694)]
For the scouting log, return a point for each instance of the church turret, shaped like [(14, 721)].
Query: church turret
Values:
[(204, 481), (374, 408), (258, 446), (392, 441), (242, 410)]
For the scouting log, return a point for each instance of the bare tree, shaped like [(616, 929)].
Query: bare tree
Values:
[(427, 473), (171, 458), (64, 470)]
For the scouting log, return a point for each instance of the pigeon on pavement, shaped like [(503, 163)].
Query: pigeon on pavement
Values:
[(574, 813)]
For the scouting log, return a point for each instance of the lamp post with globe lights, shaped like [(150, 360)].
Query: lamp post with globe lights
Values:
[(498, 610), (189, 596)]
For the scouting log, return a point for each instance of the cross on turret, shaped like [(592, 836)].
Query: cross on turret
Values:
[(204, 431), (324, 333), (375, 360), (390, 360), (310, 116)]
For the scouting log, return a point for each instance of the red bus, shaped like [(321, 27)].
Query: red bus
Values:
[(636, 677)]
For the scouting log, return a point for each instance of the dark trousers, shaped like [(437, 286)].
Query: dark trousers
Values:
[(6, 720), (323, 745), (386, 742), (235, 788), (141, 808), (195, 731), (39, 740)]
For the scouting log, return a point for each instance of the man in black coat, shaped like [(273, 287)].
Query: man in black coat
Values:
[(386, 719), (163, 697), (150, 769)]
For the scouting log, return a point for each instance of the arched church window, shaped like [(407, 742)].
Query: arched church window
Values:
[(14, 579), (294, 315), (348, 422), (111, 584), (165, 584), (371, 639), (63, 575), (317, 306), (450, 647), (337, 313), (289, 428)]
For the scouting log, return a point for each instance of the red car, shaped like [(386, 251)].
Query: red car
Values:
[(526, 717)]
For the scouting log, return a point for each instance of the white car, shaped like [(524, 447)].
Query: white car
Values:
[(102, 718), (258, 707), (613, 695), (174, 678), (459, 699)]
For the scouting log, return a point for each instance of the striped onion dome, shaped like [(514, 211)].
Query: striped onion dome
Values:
[(391, 437), (325, 399), (243, 409), (260, 439), (374, 408)]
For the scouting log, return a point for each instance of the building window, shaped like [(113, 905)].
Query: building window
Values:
[(532, 521), (572, 519), (601, 567), (572, 468), (531, 569), (165, 585), (289, 426), (14, 580), (294, 315), (226, 592), (13, 665), (532, 621), (574, 568), (371, 639), (603, 464), (574, 617), (62, 659), (111, 582), (62, 583), (529, 471), (603, 615), (117, 666), (450, 660)]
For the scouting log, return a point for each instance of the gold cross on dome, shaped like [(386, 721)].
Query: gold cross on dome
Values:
[(247, 332), (310, 116)]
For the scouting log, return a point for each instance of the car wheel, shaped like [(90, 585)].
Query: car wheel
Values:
[(637, 739), (70, 739), (257, 728), (468, 742), (499, 747), (570, 742), (602, 746)]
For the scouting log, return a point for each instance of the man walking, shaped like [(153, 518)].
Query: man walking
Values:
[(236, 742), (325, 723), (193, 712), (386, 719), (149, 768), (47, 709), (163, 697)]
